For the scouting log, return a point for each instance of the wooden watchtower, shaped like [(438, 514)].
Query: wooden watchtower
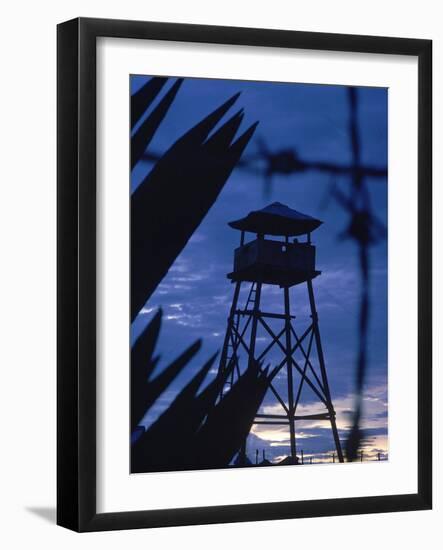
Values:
[(262, 264)]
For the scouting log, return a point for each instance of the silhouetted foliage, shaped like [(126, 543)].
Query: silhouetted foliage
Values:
[(143, 98), (191, 431), (193, 171), (145, 391), (142, 138), (216, 445), (165, 444)]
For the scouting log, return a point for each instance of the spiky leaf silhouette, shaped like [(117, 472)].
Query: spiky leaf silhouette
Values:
[(229, 422), (142, 137), (162, 445), (191, 433), (143, 392), (176, 195), (192, 172), (143, 98)]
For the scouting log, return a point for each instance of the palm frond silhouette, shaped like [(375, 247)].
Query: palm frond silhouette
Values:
[(192, 172), (191, 432)]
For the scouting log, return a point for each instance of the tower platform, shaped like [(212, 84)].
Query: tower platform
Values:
[(274, 262)]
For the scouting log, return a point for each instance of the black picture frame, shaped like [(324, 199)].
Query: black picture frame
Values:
[(76, 265)]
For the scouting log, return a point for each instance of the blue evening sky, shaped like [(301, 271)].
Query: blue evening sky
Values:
[(195, 295)]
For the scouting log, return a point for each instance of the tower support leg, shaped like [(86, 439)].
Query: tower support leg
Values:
[(224, 355), (288, 347), (255, 314), (324, 377)]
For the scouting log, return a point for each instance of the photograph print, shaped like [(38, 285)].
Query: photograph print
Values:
[(258, 274)]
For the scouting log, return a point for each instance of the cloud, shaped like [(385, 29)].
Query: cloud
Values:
[(146, 310), (197, 238), (315, 436)]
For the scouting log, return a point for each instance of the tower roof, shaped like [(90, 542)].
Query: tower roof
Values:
[(277, 219)]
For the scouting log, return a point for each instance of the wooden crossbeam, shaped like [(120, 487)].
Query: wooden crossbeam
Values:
[(299, 369), (306, 356), (315, 416), (264, 314)]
